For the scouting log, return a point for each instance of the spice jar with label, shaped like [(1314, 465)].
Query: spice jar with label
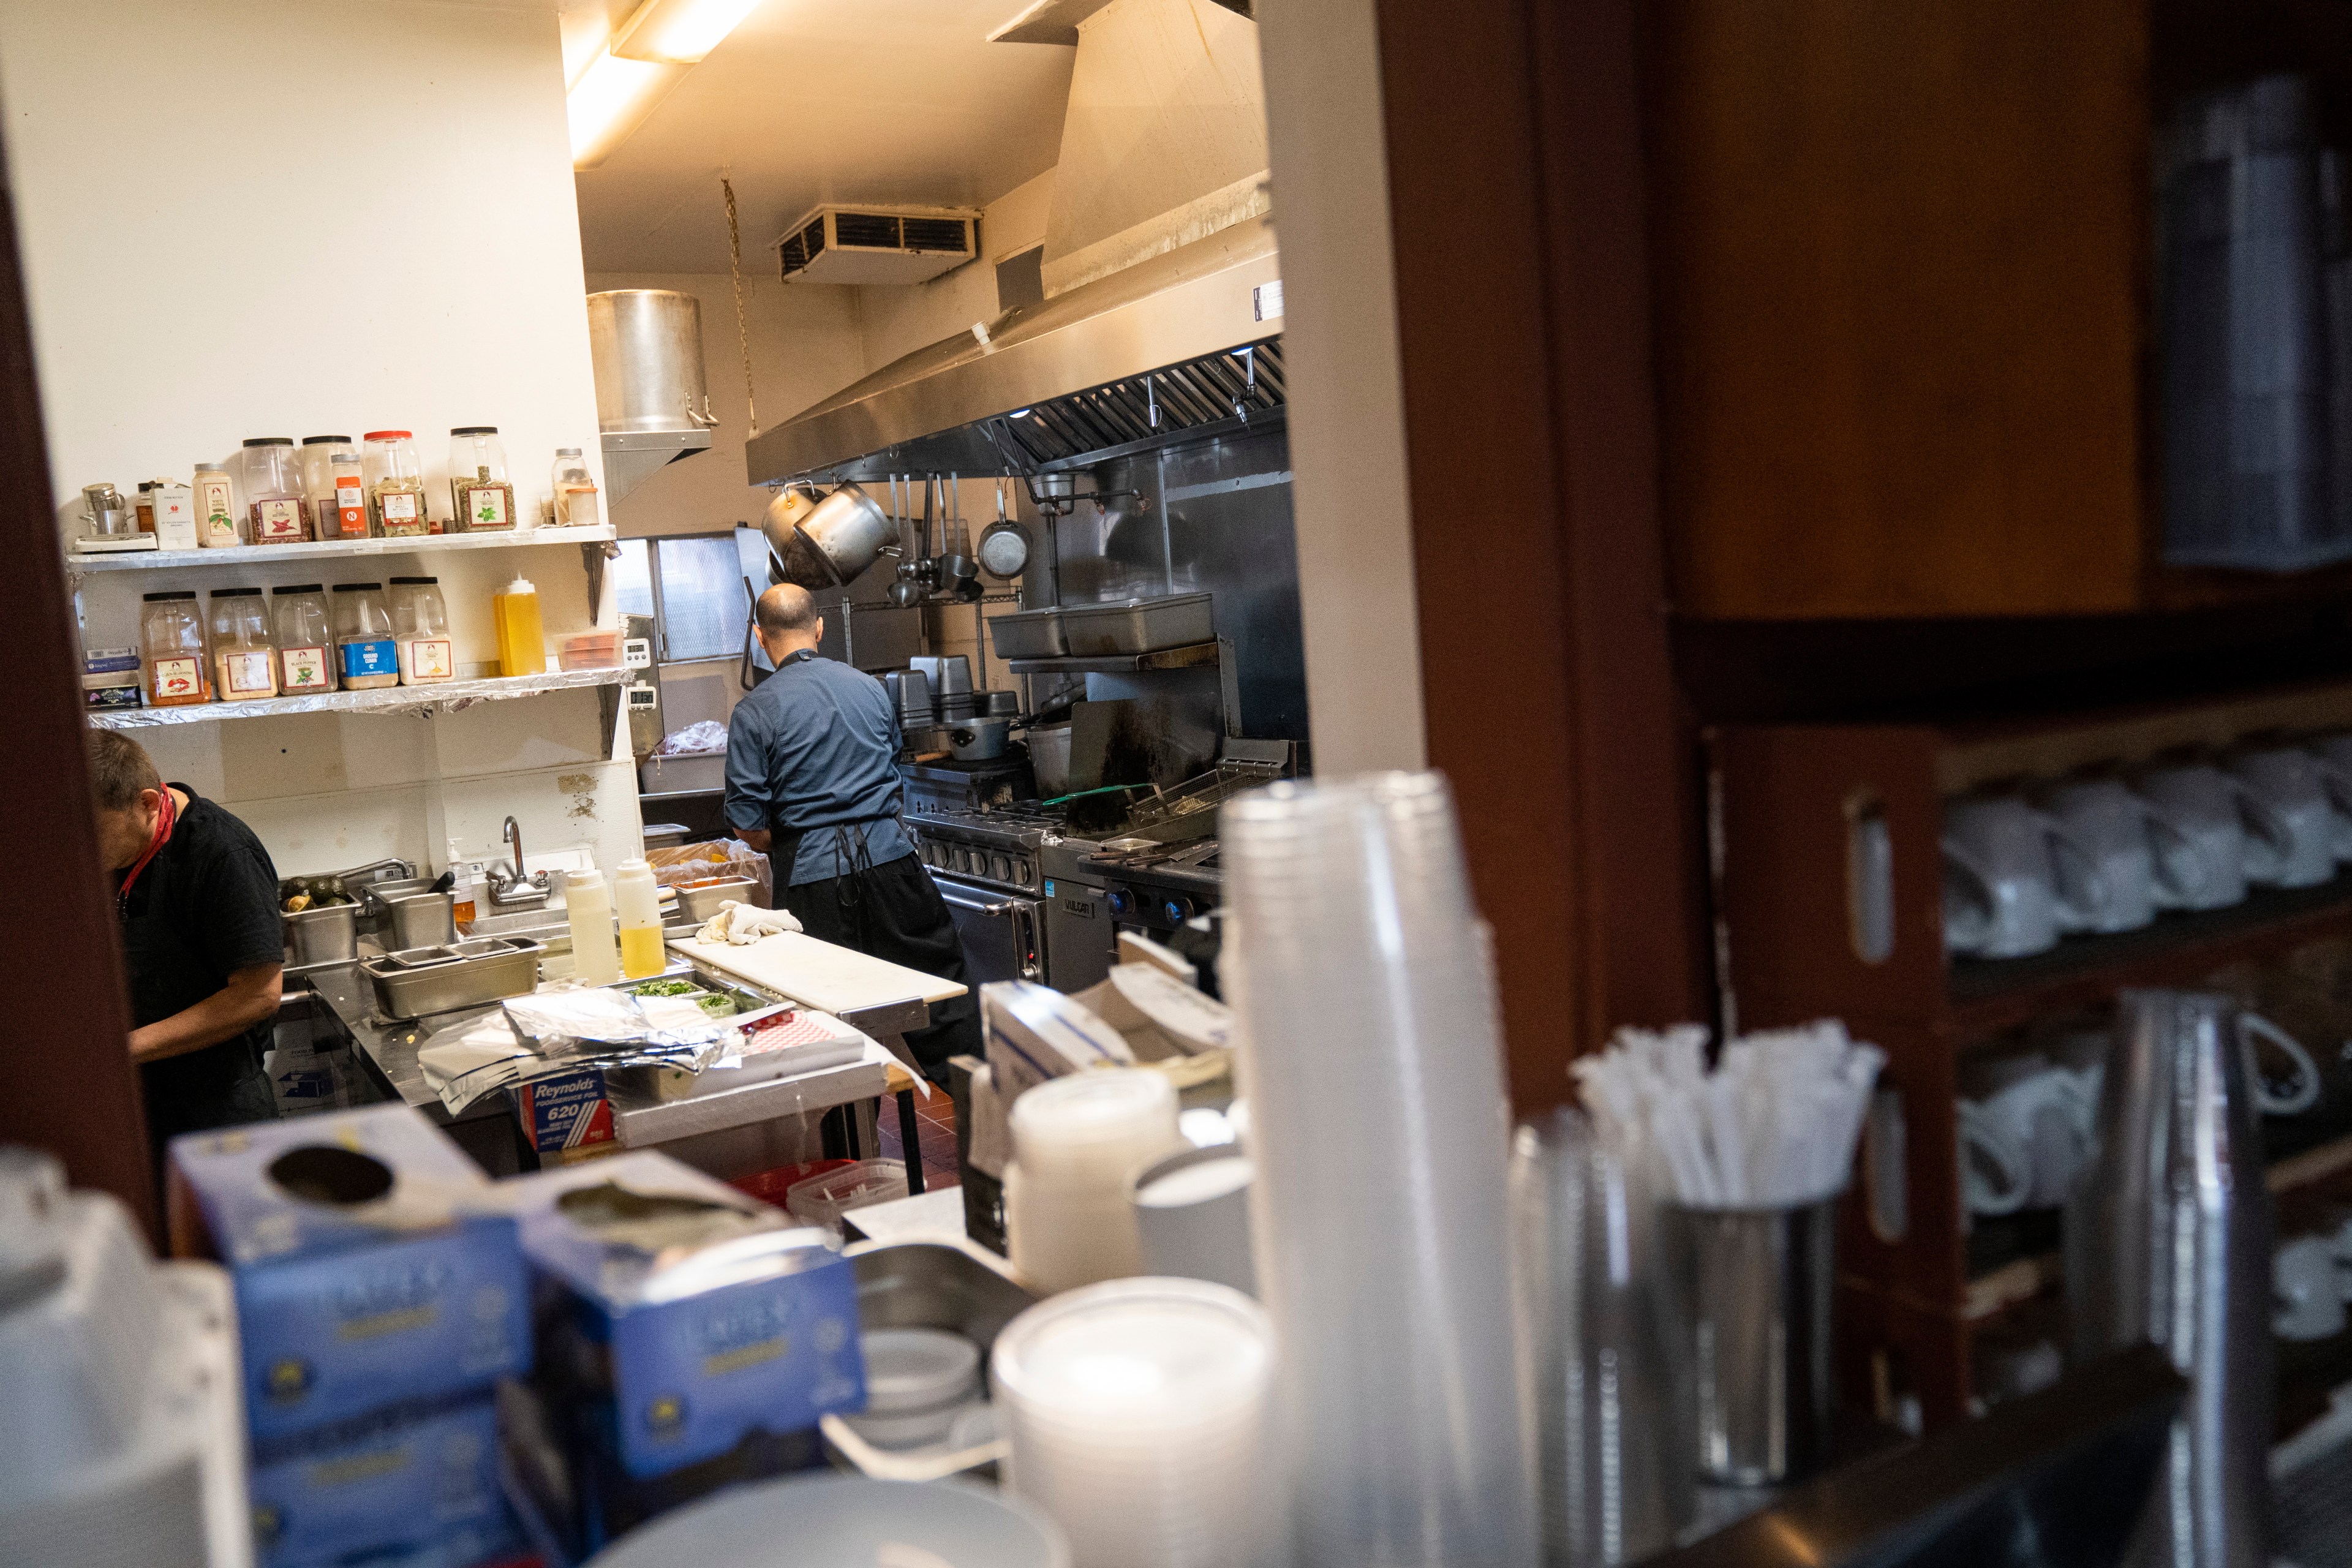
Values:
[(172, 645), (574, 490), (220, 521), (420, 623), (395, 484), (144, 507), (480, 498), (244, 663), (273, 491), (365, 654), (347, 517), (305, 639), (320, 453)]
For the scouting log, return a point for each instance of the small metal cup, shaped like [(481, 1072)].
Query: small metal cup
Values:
[(1755, 1287)]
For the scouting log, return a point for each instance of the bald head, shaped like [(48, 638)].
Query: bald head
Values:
[(788, 621)]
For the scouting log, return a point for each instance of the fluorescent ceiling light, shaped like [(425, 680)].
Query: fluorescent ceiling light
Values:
[(610, 101), (632, 74), (678, 32)]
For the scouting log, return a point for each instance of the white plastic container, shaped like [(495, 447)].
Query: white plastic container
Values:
[(823, 1198), (595, 955), (638, 903), (1076, 1142)]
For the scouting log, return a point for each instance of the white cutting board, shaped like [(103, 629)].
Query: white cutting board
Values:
[(830, 979)]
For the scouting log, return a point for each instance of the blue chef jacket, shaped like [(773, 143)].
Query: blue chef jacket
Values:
[(813, 748)]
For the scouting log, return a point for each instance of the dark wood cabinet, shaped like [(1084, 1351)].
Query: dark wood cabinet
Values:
[(1788, 805)]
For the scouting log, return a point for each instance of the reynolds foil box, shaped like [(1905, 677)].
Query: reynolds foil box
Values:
[(677, 1317), (371, 1269), (564, 1117), (410, 1485)]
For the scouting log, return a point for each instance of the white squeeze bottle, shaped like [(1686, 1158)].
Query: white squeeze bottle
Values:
[(639, 903), (595, 958)]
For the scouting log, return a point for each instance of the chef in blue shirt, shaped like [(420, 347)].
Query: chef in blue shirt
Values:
[(812, 783)]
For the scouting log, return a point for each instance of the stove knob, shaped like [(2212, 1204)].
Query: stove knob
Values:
[(1176, 910), (1122, 903), (967, 861), (1022, 869)]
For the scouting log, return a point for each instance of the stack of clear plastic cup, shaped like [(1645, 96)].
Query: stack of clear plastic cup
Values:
[(1077, 1142), (1612, 1439), (1135, 1414), (1372, 1056)]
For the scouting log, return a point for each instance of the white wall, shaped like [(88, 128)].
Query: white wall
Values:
[(244, 218), (896, 322), (1355, 587)]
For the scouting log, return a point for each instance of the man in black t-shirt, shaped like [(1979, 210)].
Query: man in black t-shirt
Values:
[(198, 901)]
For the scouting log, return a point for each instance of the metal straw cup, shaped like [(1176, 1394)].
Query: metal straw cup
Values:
[(1754, 1287)]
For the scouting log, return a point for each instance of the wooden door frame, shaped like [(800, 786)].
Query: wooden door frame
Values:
[(1539, 550), (73, 1089)]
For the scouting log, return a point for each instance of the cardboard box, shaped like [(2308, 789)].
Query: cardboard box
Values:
[(411, 1485), (677, 1316), (1034, 1033), (369, 1269), (565, 1118)]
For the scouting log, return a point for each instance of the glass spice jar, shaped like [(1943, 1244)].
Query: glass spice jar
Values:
[(420, 624), (574, 490), (171, 647), (306, 639), (395, 484), (244, 665), (365, 654), (481, 498), (273, 491)]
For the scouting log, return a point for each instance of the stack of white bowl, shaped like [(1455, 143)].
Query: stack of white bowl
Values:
[(1371, 1051), (1135, 1417), (1076, 1142)]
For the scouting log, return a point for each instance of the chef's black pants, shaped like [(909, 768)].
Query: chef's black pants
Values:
[(894, 911)]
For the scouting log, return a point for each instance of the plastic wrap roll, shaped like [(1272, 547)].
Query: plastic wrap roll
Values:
[(1372, 1059)]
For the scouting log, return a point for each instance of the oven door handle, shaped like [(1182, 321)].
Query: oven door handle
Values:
[(1021, 911)]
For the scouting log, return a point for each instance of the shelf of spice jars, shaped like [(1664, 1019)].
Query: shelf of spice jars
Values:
[(246, 555), (382, 699)]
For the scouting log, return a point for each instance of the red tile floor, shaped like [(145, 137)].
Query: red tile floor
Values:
[(936, 1139)]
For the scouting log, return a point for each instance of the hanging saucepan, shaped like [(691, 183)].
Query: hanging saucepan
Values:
[(1003, 547), (827, 543)]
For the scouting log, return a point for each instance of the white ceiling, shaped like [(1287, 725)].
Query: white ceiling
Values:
[(822, 100)]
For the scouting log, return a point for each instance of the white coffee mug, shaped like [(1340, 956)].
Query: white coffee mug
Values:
[(2148, 863), (2024, 1144), (2292, 783), (2334, 755), (2014, 879), (2240, 838), (2307, 1279)]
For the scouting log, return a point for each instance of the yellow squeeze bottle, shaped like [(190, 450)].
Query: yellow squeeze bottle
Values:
[(522, 641), (638, 903)]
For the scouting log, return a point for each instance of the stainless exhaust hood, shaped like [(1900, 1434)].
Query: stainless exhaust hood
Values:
[(1159, 258)]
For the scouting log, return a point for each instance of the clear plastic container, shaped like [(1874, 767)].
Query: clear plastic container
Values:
[(481, 497), (245, 664), (395, 484), (823, 1198), (522, 640), (171, 647), (220, 520), (318, 455), (638, 901), (366, 657), (306, 639), (275, 510), (574, 490), (420, 622)]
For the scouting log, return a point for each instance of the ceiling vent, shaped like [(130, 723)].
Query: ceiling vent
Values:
[(870, 245)]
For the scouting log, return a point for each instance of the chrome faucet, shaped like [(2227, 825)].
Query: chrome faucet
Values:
[(510, 885)]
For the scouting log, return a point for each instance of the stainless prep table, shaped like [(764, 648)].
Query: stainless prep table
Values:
[(730, 1133)]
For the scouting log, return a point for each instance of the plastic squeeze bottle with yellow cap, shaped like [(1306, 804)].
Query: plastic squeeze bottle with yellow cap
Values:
[(522, 641)]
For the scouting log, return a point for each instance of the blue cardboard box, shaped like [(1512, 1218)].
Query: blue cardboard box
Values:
[(371, 1269), (680, 1317), (415, 1485)]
